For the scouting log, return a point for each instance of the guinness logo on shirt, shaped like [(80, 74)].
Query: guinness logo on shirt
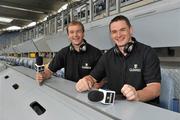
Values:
[(135, 68), (86, 66)]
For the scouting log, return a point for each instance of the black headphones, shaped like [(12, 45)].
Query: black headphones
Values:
[(82, 47), (127, 48)]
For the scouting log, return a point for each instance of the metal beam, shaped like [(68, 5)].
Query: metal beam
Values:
[(23, 7), (21, 15)]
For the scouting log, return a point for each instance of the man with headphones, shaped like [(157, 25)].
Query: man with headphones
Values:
[(132, 69), (78, 59)]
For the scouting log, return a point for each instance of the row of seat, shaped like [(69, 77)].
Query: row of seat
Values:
[(23, 61)]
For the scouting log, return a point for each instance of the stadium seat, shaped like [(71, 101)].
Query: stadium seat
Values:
[(168, 99)]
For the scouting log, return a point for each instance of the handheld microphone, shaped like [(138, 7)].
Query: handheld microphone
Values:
[(104, 96), (39, 67)]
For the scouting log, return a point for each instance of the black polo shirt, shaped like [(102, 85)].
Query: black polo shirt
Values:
[(76, 64), (138, 68)]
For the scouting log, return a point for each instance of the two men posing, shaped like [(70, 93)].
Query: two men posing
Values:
[(130, 67)]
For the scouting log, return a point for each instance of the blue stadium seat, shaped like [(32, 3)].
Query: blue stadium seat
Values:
[(60, 73), (167, 96)]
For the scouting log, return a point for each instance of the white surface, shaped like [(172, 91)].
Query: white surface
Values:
[(122, 109), (15, 103)]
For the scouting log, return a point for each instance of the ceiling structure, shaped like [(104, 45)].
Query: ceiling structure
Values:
[(23, 12)]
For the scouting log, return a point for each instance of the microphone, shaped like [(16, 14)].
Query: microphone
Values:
[(104, 96), (39, 67)]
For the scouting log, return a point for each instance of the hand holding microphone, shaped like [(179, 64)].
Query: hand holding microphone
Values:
[(39, 67)]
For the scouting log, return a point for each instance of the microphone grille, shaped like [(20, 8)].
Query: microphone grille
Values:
[(95, 96), (39, 60)]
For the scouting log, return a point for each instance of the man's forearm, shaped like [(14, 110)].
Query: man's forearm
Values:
[(150, 92)]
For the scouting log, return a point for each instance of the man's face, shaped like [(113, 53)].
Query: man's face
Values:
[(75, 34), (120, 32)]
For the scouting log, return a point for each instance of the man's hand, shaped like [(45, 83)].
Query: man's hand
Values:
[(100, 84), (40, 77), (84, 84), (130, 92)]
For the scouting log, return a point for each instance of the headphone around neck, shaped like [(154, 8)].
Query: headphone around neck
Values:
[(82, 47), (127, 48)]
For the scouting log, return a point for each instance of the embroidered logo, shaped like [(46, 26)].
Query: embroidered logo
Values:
[(135, 68), (86, 66)]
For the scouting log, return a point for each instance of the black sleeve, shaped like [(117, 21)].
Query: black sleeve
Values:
[(99, 70), (97, 57), (151, 71), (57, 62)]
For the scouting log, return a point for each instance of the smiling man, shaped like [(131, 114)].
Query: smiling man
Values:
[(78, 58), (131, 68)]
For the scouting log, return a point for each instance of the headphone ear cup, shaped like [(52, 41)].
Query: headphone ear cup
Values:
[(71, 48), (128, 47), (116, 51), (83, 47)]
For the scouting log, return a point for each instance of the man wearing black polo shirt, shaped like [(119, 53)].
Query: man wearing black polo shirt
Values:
[(131, 68), (78, 59)]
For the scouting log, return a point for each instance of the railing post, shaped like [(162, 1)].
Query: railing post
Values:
[(118, 5), (62, 23), (91, 10), (107, 7), (71, 14), (55, 24), (86, 14)]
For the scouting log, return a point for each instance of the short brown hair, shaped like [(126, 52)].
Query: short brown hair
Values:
[(119, 18), (75, 23)]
